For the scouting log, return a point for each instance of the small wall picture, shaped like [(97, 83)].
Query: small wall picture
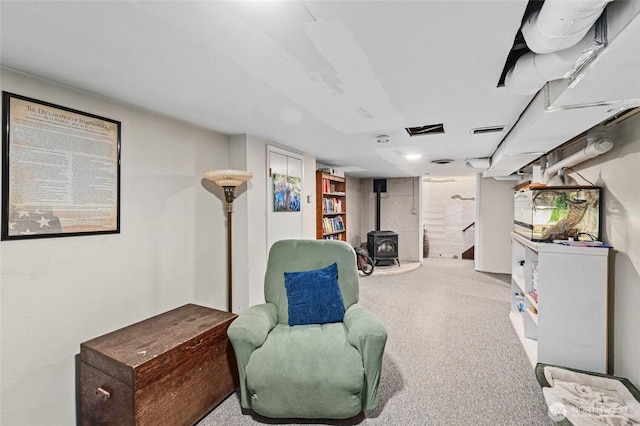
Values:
[(286, 193)]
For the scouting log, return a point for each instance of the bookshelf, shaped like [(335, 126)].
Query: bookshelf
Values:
[(559, 303), (331, 207)]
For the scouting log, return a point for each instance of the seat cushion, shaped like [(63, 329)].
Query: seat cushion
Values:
[(307, 371)]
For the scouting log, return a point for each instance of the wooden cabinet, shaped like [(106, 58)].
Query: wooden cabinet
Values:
[(171, 369), (331, 207), (559, 303)]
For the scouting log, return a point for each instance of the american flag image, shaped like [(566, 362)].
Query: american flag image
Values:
[(25, 221)]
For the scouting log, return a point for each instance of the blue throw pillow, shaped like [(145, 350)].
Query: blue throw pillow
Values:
[(314, 296)]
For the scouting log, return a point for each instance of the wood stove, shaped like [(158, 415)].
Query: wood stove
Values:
[(382, 245)]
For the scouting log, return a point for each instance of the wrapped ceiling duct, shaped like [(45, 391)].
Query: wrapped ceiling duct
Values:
[(532, 71), (563, 40), (560, 24)]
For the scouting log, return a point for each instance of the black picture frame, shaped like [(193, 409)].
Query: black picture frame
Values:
[(60, 171)]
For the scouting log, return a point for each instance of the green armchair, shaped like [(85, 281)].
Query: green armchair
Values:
[(328, 371)]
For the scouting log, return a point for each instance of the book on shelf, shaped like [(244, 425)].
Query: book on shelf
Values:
[(332, 224), (332, 205), (331, 188), (331, 237), (328, 205), (325, 186)]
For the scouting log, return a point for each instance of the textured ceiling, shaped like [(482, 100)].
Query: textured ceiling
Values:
[(322, 77)]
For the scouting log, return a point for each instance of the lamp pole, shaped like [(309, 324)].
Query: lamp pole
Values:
[(228, 180), (229, 197)]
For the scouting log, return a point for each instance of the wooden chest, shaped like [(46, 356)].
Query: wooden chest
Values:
[(171, 369)]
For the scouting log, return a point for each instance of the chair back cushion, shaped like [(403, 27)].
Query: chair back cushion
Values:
[(308, 255), (314, 297)]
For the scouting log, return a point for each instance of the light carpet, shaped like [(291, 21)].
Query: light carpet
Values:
[(452, 357)]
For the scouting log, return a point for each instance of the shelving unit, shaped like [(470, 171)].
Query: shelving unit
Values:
[(331, 207), (559, 303)]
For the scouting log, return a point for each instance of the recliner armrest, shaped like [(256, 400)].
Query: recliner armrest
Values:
[(253, 325), (247, 333), (361, 324), (367, 334)]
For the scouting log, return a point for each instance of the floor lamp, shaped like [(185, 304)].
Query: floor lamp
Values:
[(229, 180)]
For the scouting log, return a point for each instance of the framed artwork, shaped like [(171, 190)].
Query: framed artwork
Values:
[(286, 193), (60, 171)]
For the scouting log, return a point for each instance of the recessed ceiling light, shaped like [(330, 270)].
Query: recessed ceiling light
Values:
[(413, 157), (442, 161)]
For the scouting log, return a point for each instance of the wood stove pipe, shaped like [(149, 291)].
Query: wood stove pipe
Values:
[(378, 209), (379, 185)]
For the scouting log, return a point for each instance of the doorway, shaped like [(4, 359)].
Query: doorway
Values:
[(448, 216), (284, 190)]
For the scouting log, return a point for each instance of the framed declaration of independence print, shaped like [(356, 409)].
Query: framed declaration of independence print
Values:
[(60, 171)]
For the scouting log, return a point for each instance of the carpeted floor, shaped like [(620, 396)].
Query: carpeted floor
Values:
[(452, 357)]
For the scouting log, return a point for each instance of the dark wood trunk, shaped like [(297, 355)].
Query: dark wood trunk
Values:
[(170, 369)]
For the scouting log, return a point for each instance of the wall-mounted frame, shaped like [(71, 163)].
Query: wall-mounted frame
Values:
[(60, 171), (287, 193)]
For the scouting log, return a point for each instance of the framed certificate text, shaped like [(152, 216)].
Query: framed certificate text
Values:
[(60, 171)]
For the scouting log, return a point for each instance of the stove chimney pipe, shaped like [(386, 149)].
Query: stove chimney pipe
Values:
[(379, 185)]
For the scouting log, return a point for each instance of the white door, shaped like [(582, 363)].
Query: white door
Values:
[(284, 192)]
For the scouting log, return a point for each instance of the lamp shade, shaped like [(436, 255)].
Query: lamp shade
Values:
[(233, 178)]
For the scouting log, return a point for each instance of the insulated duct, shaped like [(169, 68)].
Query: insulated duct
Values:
[(563, 40), (532, 71), (560, 24), (562, 110), (596, 145)]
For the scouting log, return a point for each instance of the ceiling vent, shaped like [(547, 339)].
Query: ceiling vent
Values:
[(483, 130), (430, 129), (442, 161), (478, 163)]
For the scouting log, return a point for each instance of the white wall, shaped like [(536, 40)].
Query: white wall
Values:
[(250, 250), (446, 215), (399, 211), (355, 234), (59, 292), (494, 223), (309, 197), (247, 195), (618, 172)]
